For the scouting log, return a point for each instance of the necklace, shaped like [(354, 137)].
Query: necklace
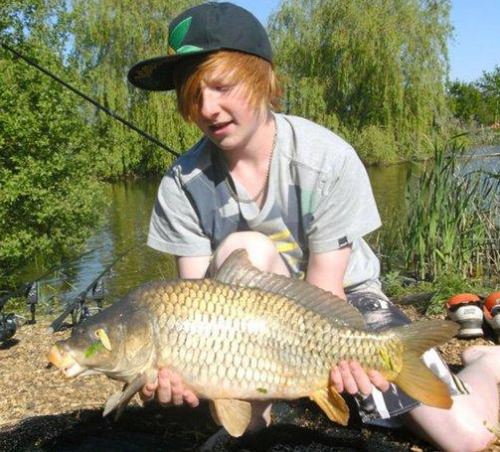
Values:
[(232, 190)]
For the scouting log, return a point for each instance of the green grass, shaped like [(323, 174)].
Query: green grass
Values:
[(450, 238)]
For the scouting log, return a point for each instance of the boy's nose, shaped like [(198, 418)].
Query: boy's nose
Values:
[(209, 104)]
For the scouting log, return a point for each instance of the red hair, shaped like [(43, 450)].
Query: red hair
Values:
[(255, 76)]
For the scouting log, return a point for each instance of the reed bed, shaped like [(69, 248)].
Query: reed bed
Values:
[(452, 223), (450, 227)]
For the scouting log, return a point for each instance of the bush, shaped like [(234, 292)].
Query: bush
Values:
[(375, 144), (49, 197)]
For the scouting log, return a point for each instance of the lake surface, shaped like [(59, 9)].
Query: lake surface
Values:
[(127, 220)]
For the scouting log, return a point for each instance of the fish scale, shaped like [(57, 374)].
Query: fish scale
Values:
[(247, 335), (295, 363)]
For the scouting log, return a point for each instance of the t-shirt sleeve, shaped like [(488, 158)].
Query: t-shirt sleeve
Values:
[(174, 227), (346, 209)]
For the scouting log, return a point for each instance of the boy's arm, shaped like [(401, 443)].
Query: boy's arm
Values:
[(326, 270), (192, 267)]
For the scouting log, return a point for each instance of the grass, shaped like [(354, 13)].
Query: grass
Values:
[(450, 238)]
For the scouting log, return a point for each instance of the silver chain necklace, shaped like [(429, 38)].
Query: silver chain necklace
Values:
[(232, 191)]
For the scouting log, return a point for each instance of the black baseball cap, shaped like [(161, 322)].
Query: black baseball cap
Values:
[(200, 30)]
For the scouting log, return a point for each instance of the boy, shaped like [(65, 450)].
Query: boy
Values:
[(298, 199)]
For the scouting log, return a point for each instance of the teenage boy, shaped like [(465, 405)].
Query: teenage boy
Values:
[(298, 199)]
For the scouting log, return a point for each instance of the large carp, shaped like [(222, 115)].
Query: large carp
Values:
[(246, 336)]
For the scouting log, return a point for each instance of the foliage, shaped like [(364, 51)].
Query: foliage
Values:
[(489, 84), (109, 37), (452, 219), (477, 101), (440, 290), (49, 198), (375, 144), (465, 101), (43, 21), (380, 64)]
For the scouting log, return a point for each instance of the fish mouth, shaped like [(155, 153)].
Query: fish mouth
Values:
[(64, 362)]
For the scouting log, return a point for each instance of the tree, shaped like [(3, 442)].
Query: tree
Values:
[(465, 101), (49, 196), (478, 101), (109, 37), (489, 84), (365, 64)]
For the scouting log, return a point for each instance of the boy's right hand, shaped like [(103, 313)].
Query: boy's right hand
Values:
[(168, 388)]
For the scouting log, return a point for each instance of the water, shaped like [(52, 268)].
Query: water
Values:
[(127, 220)]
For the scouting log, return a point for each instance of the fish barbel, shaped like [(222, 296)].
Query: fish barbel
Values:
[(245, 336)]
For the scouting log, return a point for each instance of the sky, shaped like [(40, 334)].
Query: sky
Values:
[(474, 48)]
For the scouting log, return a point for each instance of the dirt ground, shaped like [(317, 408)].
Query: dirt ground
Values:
[(41, 410)]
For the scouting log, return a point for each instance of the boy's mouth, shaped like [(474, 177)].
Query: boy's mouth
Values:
[(219, 127)]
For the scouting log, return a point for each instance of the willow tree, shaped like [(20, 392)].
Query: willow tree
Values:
[(360, 66), (109, 37)]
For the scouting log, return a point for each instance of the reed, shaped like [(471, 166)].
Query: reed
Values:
[(452, 223)]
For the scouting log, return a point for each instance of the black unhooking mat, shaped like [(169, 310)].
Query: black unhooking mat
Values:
[(297, 426)]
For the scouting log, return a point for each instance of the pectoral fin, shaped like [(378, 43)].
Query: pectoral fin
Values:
[(119, 400), (233, 415), (332, 403)]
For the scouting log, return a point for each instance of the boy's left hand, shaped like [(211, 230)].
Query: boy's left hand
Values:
[(350, 377)]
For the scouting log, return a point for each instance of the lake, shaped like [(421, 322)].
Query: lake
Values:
[(127, 220)]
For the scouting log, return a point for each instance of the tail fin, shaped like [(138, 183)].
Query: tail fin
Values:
[(415, 378)]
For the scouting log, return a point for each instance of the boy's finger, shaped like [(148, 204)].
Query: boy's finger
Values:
[(363, 382), (336, 379), (190, 398), (350, 385), (164, 391), (378, 380)]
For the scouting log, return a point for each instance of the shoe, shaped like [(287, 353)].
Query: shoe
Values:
[(491, 311), (465, 309)]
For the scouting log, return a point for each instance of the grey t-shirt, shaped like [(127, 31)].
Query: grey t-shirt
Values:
[(319, 199)]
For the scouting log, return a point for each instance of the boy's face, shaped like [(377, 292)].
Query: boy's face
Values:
[(225, 115)]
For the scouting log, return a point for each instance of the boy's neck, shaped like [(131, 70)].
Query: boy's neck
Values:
[(258, 148)]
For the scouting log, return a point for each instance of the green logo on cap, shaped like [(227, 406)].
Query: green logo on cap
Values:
[(177, 35)]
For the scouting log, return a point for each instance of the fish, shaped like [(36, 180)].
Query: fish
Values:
[(246, 336)]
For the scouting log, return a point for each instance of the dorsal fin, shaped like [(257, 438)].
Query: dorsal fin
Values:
[(237, 270)]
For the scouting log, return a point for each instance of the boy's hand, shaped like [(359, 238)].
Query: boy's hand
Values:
[(351, 378), (168, 388)]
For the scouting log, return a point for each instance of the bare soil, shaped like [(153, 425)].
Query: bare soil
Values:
[(41, 410)]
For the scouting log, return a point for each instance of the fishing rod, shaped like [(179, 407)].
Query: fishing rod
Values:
[(75, 306), (89, 99), (28, 287), (31, 291)]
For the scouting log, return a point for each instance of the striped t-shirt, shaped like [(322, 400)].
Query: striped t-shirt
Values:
[(319, 199)]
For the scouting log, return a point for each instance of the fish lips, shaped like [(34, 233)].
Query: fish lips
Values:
[(65, 362)]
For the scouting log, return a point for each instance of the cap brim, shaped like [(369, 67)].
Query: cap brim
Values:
[(156, 74)]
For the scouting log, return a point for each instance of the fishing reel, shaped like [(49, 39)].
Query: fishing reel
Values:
[(8, 326), (32, 295), (82, 311), (98, 293)]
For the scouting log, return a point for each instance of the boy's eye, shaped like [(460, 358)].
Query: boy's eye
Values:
[(223, 88)]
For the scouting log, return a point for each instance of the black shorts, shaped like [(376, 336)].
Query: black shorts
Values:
[(383, 408)]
